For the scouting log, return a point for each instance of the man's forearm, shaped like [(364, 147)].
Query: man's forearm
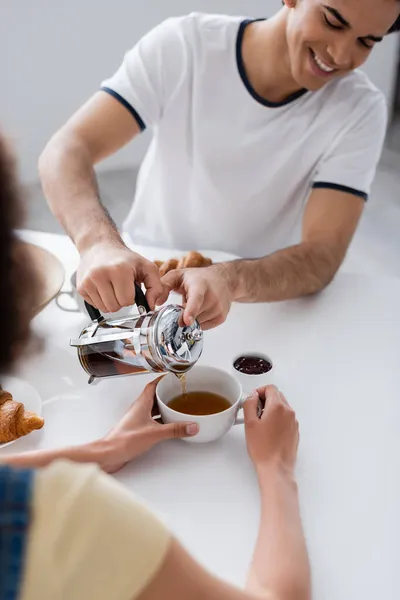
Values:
[(280, 561), (289, 273), (69, 184)]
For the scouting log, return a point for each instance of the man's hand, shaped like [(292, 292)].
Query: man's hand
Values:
[(137, 432), (206, 294), (107, 273)]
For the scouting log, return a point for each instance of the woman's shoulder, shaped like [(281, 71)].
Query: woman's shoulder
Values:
[(64, 473), (84, 523)]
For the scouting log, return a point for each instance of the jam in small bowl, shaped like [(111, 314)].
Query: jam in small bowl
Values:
[(253, 370)]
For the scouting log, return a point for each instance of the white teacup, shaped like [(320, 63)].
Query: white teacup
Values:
[(72, 301), (202, 379)]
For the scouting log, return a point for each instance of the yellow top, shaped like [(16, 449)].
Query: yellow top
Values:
[(89, 538)]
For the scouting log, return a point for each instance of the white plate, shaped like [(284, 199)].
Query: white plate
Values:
[(154, 253), (22, 392)]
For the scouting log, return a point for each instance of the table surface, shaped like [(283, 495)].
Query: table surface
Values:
[(336, 358)]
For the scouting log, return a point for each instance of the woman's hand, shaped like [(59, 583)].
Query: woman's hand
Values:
[(272, 432), (137, 432), (134, 435)]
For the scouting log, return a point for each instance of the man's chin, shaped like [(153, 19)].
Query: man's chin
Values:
[(304, 82), (312, 84)]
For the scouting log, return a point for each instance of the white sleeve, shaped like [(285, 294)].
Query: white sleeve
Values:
[(151, 72), (350, 164)]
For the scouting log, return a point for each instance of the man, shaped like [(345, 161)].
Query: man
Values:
[(256, 125)]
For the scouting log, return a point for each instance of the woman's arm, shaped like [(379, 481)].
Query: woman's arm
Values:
[(96, 540), (134, 435), (280, 568), (87, 453), (280, 561)]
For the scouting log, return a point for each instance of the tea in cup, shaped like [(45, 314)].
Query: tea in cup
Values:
[(212, 399)]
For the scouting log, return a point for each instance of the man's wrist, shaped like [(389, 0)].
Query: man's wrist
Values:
[(232, 273), (105, 235)]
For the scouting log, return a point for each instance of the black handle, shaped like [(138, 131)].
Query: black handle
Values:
[(93, 312), (140, 300)]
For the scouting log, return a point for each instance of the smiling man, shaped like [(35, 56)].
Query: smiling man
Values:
[(257, 125)]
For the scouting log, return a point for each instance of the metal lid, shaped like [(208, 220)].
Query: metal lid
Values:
[(179, 346)]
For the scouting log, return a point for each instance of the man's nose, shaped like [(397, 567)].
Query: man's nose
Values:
[(341, 54)]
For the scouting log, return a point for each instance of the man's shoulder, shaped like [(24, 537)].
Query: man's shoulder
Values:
[(210, 21), (357, 90), (199, 25)]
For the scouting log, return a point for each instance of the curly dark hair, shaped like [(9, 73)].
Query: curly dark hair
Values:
[(19, 283)]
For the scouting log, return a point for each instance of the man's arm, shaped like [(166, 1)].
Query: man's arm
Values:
[(330, 220), (108, 268), (98, 129)]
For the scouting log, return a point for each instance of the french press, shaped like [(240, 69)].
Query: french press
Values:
[(152, 341)]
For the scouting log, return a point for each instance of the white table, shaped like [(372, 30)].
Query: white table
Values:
[(337, 359)]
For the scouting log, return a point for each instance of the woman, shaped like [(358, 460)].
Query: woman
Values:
[(70, 531)]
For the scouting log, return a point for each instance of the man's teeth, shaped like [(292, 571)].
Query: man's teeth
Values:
[(322, 65)]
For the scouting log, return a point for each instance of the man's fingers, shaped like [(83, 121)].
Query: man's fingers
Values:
[(192, 296), (124, 289), (208, 314), (163, 297), (89, 292), (102, 283), (107, 294), (173, 279), (194, 304), (177, 430), (212, 323), (152, 281)]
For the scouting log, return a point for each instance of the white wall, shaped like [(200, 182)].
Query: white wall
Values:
[(54, 55)]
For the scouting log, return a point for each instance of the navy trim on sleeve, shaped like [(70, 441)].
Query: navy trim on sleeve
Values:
[(340, 188), (130, 108)]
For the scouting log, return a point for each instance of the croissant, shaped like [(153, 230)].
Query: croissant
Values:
[(168, 265), (15, 421), (192, 260)]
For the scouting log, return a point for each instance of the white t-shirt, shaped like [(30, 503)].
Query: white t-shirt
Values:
[(226, 169)]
